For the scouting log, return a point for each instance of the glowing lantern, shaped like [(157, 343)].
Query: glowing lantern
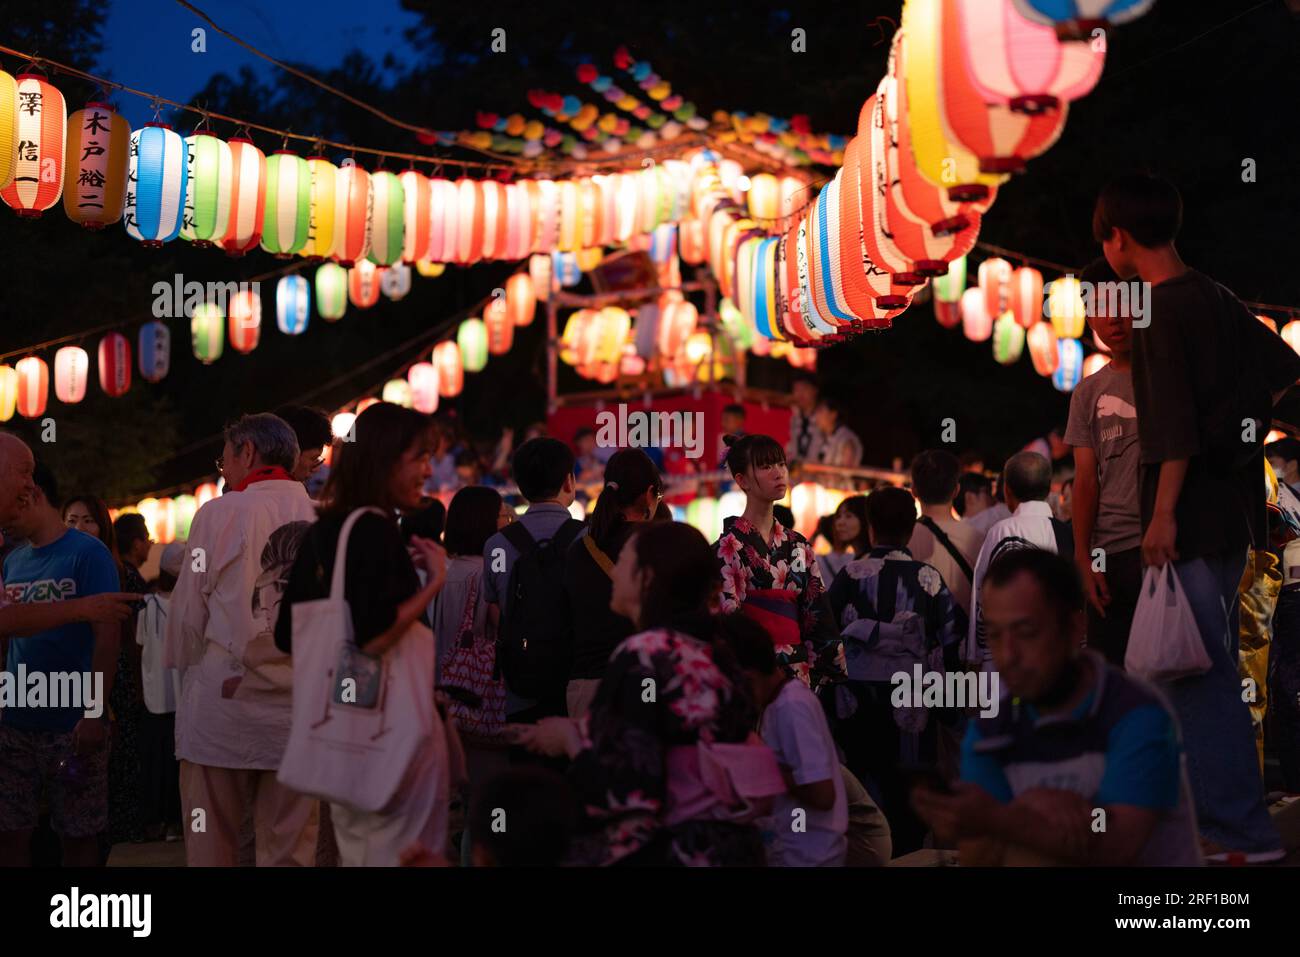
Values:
[(612, 327), (351, 214), (8, 392), (1266, 320), (539, 270), (690, 241), (423, 378), (429, 270), (387, 233), (94, 183), (976, 322), (154, 348), (205, 493), (702, 513), (1291, 334), (1069, 365), (1021, 64), (677, 320), (588, 259), (521, 303), (416, 194), (1042, 347), (1074, 19), (320, 219), (764, 196), (1008, 339), (157, 180), (1025, 295), (363, 284), (500, 328), (8, 128), (1097, 360), (995, 284), (451, 377), (875, 286), (245, 320), (331, 291), (663, 243), (287, 213), (247, 197), (496, 224), (444, 220), (520, 216), (398, 392), (186, 506), (33, 386), (469, 231), (165, 521), (472, 338), (40, 132), (207, 188), (147, 508), (947, 314), (1065, 307), (564, 267), (115, 364), (950, 286), (71, 366), (206, 332), (292, 305), (579, 341), (395, 282), (341, 425)]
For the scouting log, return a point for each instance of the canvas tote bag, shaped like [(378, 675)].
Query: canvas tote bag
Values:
[(358, 720)]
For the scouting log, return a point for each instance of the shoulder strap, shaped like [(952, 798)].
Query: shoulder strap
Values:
[(566, 533), (599, 557), (519, 537), (341, 552), (942, 538), (1064, 536)]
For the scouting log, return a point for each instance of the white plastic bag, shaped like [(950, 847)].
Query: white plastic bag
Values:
[(1164, 643)]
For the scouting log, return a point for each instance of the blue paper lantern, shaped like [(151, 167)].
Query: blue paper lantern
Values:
[(1075, 18), (157, 175), (564, 266), (1069, 364), (292, 305), (154, 351)]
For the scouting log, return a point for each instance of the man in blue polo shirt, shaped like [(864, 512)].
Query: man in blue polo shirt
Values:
[(1082, 763)]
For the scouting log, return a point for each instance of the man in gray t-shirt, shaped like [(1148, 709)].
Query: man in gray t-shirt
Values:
[(1103, 429)]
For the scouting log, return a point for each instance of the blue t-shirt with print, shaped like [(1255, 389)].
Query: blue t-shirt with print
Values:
[(73, 566)]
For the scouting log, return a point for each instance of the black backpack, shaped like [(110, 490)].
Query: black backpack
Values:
[(536, 635)]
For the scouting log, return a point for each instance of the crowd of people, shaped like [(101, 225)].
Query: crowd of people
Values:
[(945, 671)]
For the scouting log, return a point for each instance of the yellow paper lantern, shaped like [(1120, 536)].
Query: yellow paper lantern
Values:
[(1065, 307)]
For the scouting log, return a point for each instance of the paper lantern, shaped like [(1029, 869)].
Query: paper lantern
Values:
[(366, 403), (387, 229), (702, 513), (341, 425), (207, 188), (976, 322), (115, 364), (1291, 334), (950, 286), (879, 287), (363, 284), (1025, 295), (451, 377), (292, 305), (154, 348), (520, 220), (1042, 347), (320, 217), (564, 267), (521, 302), (8, 128), (416, 197), (147, 508), (351, 214), (205, 493), (1065, 307), (995, 284), (500, 327), (186, 506), (947, 314), (423, 378), (287, 214), (398, 392), (331, 291), (469, 231), (1074, 19), (395, 282), (94, 182), (496, 212), (40, 135), (165, 521), (71, 367), (1008, 339), (444, 220), (1013, 61), (578, 341), (539, 270), (612, 327), (663, 243), (8, 392), (1097, 360), (428, 269), (690, 241), (677, 321), (207, 328), (472, 338), (157, 180), (245, 311), (1069, 364), (33, 386), (247, 197), (764, 196)]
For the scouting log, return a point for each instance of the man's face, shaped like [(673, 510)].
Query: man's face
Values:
[(1288, 470), (309, 461), (1115, 332), (1118, 250), (236, 462), (805, 396), (16, 486), (1030, 648), (732, 424)]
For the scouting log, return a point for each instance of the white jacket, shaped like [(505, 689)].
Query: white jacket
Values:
[(234, 710)]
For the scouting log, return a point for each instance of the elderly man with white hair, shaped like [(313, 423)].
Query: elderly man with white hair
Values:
[(233, 717)]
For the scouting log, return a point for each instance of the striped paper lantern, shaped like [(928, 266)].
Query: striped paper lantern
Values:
[(247, 197), (287, 205), (444, 220), (387, 210), (1042, 347), (320, 219), (292, 305), (245, 310), (207, 332), (115, 364), (1025, 295), (331, 291), (94, 182), (164, 523), (1069, 365), (8, 128), (950, 286), (539, 269), (564, 267), (205, 493), (416, 195), (395, 282), (8, 392), (423, 377), (41, 137), (1066, 308), (496, 219), (995, 283), (976, 323), (1076, 19), (677, 320), (451, 376), (33, 386), (154, 348), (71, 369), (157, 180), (472, 338), (207, 188), (363, 284), (469, 230), (1008, 339), (521, 301), (500, 328), (351, 214)]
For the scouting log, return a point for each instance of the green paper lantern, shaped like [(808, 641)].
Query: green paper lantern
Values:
[(472, 338), (1008, 339), (207, 331), (331, 291), (287, 204), (387, 214)]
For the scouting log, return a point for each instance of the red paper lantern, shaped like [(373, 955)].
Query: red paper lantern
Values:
[(677, 320), (33, 386), (500, 327), (363, 284), (423, 377), (1025, 295), (115, 364), (521, 301), (245, 320), (417, 195), (451, 375), (39, 126), (995, 285), (351, 214), (1041, 339), (247, 197)]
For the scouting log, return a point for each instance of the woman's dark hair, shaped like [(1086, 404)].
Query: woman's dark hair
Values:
[(857, 504), (749, 643), (96, 507), (471, 520), (755, 449), (629, 473), (825, 529), (360, 474), (428, 522), (684, 577)]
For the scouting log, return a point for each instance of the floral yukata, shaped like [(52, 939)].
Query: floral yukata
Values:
[(780, 587), (622, 775)]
